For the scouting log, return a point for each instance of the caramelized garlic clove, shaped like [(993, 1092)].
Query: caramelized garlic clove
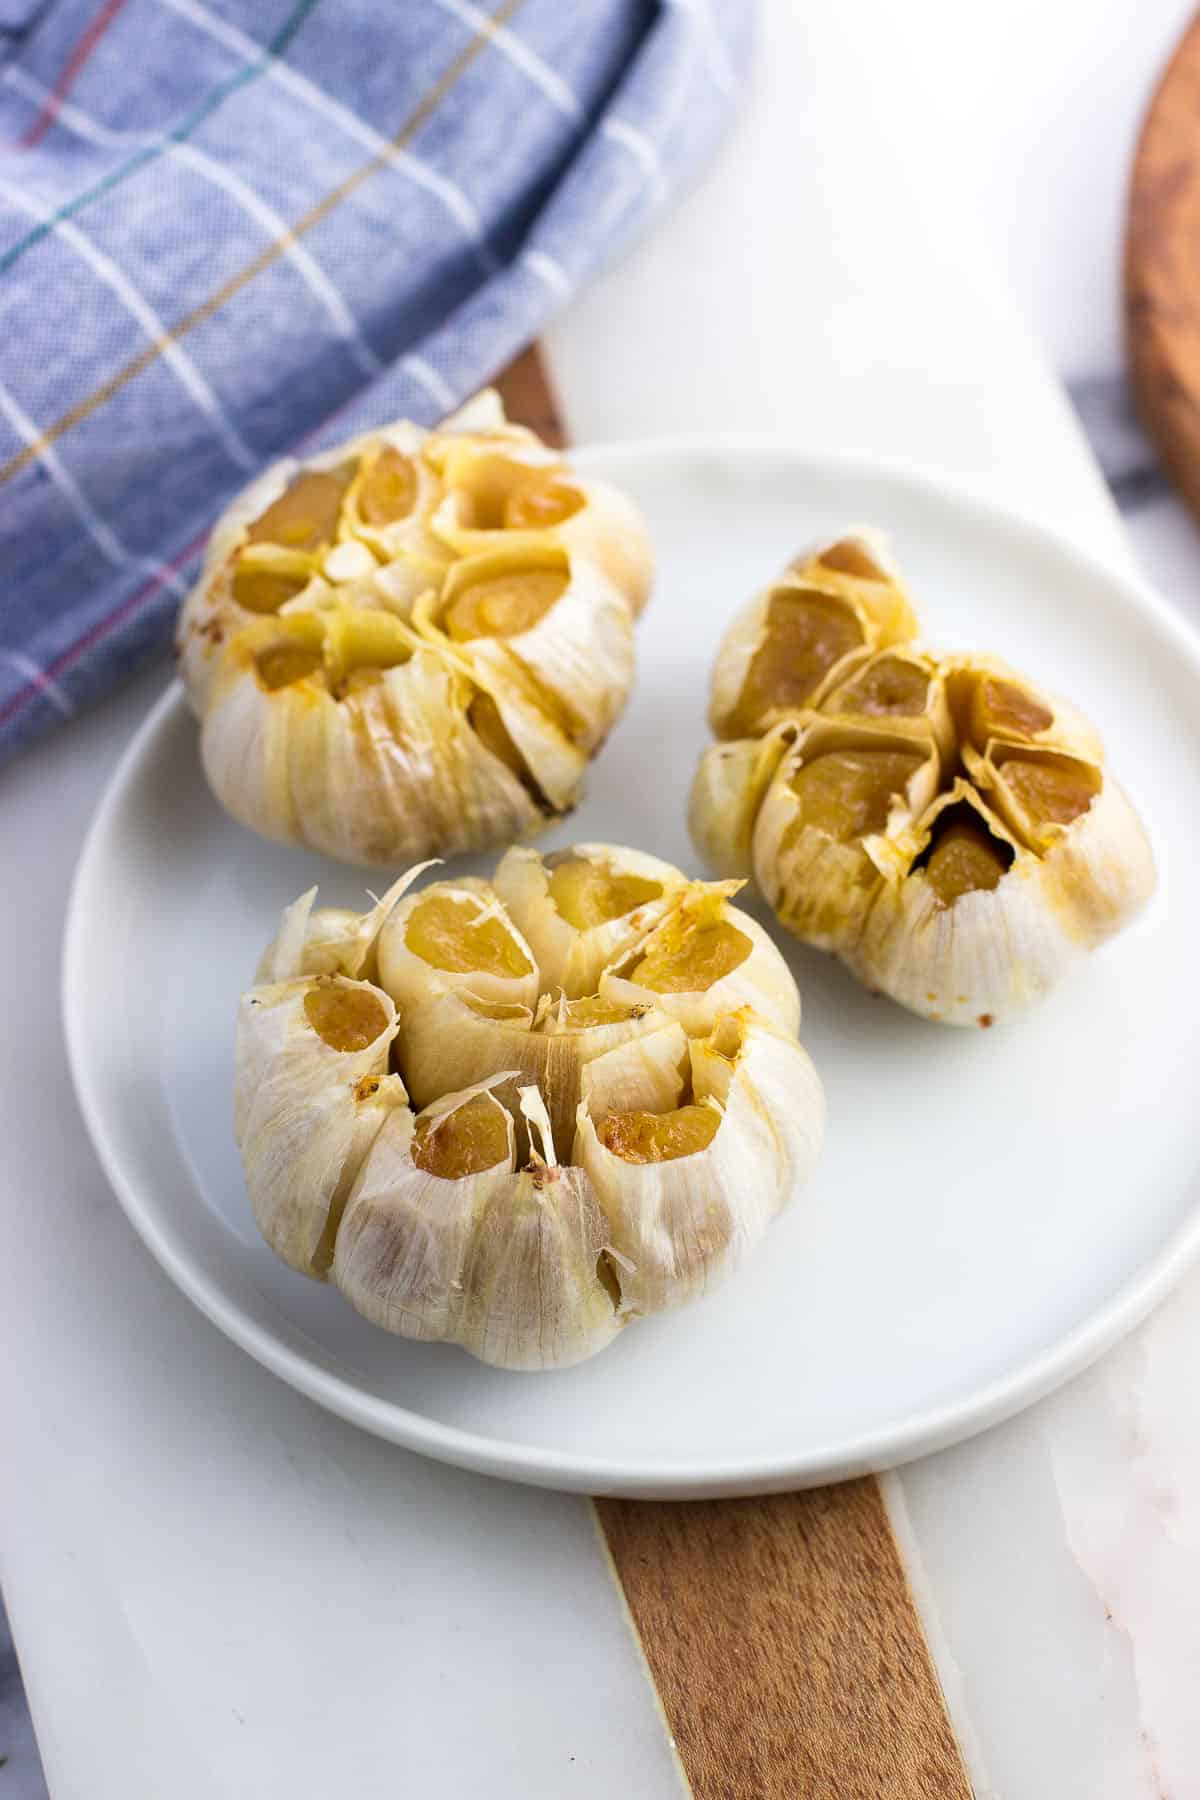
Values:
[(833, 823), (520, 495), (452, 936), (580, 910), (705, 958)]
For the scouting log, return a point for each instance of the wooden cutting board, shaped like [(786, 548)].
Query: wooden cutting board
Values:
[(780, 1632), (1162, 269)]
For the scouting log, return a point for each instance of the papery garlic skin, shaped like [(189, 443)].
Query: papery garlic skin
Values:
[(729, 787), (992, 954), (347, 701), (536, 1170), (946, 826), (503, 1263), (305, 1114)]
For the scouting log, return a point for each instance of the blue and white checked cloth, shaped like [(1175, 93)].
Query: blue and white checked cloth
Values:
[(232, 228)]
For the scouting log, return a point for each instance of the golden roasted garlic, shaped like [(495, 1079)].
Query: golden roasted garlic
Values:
[(947, 828), (473, 1150), (415, 643)]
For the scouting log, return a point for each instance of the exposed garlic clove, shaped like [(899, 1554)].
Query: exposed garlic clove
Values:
[(444, 1239), (273, 544), (518, 494), (547, 624), (858, 564), (797, 638), (689, 1192), (311, 1091), (580, 909), (455, 936), (840, 808), (987, 923), (901, 689), (704, 959)]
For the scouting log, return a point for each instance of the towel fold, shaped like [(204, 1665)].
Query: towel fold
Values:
[(234, 229)]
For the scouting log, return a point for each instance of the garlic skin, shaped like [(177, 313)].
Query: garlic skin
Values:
[(681, 1225), (945, 826), (502, 1262), (472, 1156), (305, 1113), (380, 681), (730, 784)]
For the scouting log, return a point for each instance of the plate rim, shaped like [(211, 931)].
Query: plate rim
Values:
[(936, 1427)]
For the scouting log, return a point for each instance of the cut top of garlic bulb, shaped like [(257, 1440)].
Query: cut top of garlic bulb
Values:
[(414, 643), (470, 1152), (944, 824)]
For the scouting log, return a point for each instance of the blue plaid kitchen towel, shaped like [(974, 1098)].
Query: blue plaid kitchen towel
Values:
[(234, 228)]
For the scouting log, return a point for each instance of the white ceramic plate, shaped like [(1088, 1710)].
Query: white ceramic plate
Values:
[(993, 1208)]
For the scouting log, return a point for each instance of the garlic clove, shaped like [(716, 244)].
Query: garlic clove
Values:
[(839, 811), (805, 633), (520, 495), (507, 1263), (456, 938), (331, 940), (705, 958), (902, 689), (858, 564), (311, 1091), (547, 624), (645, 1073), (687, 1193), (581, 909)]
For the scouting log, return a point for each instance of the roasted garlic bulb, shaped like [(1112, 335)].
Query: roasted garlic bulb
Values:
[(415, 643), (946, 827), (475, 1150)]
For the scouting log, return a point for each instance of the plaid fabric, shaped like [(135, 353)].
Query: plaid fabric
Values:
[(231, 229)]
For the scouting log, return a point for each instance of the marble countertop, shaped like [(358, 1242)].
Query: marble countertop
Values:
[(161, 1492)]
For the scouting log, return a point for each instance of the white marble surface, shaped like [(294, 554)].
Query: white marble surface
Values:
[(216, 1590)]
